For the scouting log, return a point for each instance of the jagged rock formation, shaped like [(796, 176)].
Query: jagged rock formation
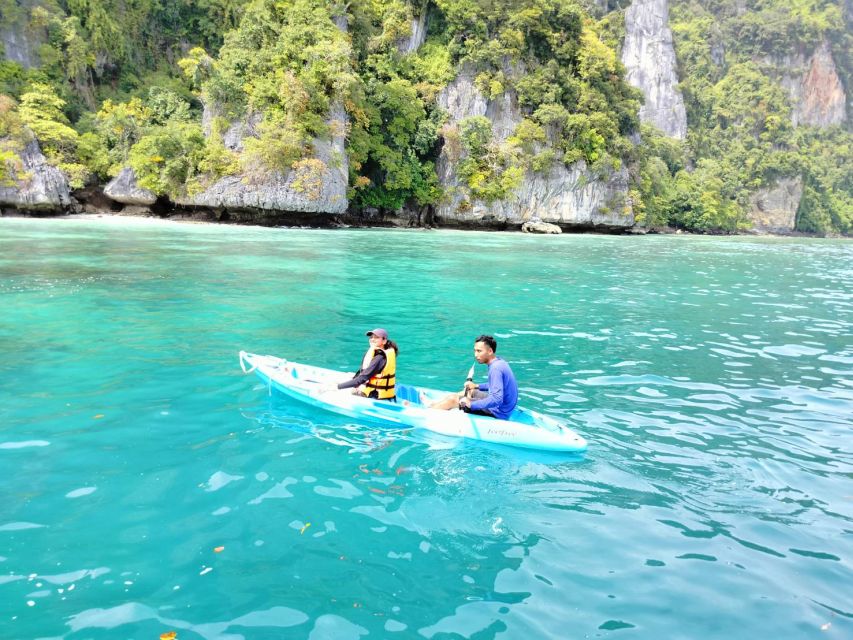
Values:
[(19, 44), (315, 185), (570, 196), (649, 57), (418, 35), (318, 185), (817, 95), (237, 131), (823, 99), (818, 99), (774, 209), (537, 226), (18, 48), (123, 188), (39, 187), (561, 195)]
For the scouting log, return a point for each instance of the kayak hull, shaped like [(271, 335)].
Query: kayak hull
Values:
[(308, 384)]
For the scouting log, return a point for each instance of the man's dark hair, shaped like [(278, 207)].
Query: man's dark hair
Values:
[(489, 341)]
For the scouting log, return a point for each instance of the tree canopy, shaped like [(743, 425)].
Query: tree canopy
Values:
[(158, 86)]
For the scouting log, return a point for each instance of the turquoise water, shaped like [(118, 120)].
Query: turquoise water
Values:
[(712, 376)]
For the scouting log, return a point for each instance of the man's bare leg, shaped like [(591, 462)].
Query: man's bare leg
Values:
[(447, 403)]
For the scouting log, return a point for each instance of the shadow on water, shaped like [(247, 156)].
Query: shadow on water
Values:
[(278, 412)]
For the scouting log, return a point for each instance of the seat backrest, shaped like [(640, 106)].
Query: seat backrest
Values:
[(407, 392)]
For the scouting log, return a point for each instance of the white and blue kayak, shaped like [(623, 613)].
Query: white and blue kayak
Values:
[(524, 428)]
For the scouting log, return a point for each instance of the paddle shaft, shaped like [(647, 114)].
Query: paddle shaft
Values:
[(470, 378)]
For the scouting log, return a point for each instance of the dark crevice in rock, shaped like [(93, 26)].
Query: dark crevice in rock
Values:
[(162, 207)]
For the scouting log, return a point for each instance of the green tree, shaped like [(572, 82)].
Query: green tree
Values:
[(165, 159), (41, 111)]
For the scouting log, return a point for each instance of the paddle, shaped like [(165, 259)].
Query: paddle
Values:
[(470, 377)]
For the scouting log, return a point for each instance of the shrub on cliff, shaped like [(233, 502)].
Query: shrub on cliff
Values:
[(554, 57), (12, 139), (41, 111), (739, 116)]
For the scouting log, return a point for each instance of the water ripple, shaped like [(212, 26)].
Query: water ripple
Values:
[(712, 376)]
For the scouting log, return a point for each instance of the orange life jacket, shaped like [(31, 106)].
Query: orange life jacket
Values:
[(383, 383)]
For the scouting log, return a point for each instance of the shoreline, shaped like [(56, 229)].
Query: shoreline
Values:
[(395, 224), (329, 222)]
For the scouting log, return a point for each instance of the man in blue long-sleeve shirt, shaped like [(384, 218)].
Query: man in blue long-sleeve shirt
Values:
[(496, 398)]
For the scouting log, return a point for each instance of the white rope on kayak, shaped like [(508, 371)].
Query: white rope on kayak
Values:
[(243, 356)]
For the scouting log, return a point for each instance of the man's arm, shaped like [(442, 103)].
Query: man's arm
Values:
[(495, 387)]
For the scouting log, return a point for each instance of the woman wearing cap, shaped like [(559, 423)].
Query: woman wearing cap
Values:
[(377, 377)]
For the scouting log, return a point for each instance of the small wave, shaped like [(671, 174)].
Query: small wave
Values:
[(24, 444)]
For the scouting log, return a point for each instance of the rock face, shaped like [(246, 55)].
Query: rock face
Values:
[(233, 137), (565, 196), (823, 99), (649, 57), (18, 48), (123, 188), (562, 195), (317, 185), (774, 210), (314, 185), (20, 41), (537, 226), (40, 187), (418, 35), (817, 95)]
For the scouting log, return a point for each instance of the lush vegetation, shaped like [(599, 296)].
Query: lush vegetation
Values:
[(124, 84), (740, 132)]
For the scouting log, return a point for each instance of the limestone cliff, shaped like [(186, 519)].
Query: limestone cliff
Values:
[(818, 99), (649, 57), (774, 209), (569, 196), (417, 36), (18, 48), (823, 100), (123, 189), (18, 42), (817, 95), (36, 186), (316, 185)]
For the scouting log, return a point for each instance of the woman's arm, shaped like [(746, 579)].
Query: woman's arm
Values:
[(363, 375)]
